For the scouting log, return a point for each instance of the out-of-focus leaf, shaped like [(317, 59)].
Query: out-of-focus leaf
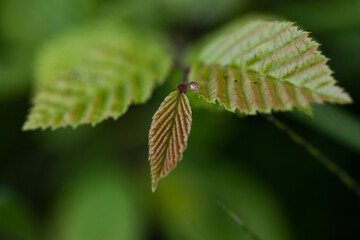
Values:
[(16, 219), (190, 201), (24, 25), (98, 205), (27, 22), (168, 135), (342, 126), (95, 73), (263, 66)]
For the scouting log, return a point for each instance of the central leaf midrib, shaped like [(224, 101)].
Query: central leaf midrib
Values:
[(170, 132)]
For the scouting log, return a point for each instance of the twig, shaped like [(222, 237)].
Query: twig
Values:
[(186, 71), (238, 221), (325, 161)]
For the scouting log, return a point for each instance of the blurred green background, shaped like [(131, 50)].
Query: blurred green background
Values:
[(94, 183)]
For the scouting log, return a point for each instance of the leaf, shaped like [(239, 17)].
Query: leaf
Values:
[(168, 136), (262, 66), (236, 186), (95, 73), (22, 23), (96, 205), (16, 62)]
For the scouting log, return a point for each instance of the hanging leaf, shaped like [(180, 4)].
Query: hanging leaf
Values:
[(168, 135), (262, 66), (95, 73)]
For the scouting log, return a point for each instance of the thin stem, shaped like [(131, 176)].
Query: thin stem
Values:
[(186, 71), (344, 177), (238, 221)]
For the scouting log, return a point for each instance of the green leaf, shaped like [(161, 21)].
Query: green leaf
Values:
[(23, 30), (168, 135), (23, 22), (95, 73), (197, 216), (96, 205), (262, 66)]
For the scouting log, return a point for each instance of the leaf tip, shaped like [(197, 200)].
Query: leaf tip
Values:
[(306, 110), (28, 126), (25, 127), (154, 186), (348, 99)]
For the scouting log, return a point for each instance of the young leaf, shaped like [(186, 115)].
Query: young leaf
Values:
[(262, 66), (95, 73), (168, 136)]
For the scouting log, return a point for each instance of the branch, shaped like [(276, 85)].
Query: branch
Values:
[(238, 221), (341, 174)]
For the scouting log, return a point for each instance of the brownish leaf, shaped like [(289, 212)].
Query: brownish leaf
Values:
[(168, 135)]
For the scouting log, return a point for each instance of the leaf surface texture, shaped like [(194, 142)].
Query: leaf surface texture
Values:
[(94, 73), (262, 66), (168, 136)]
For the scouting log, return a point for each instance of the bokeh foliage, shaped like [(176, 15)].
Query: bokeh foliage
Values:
[(71, 184)]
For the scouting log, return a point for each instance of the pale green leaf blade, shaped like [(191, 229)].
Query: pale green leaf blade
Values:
[(168, 135), (262, 66), (95, 73)]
